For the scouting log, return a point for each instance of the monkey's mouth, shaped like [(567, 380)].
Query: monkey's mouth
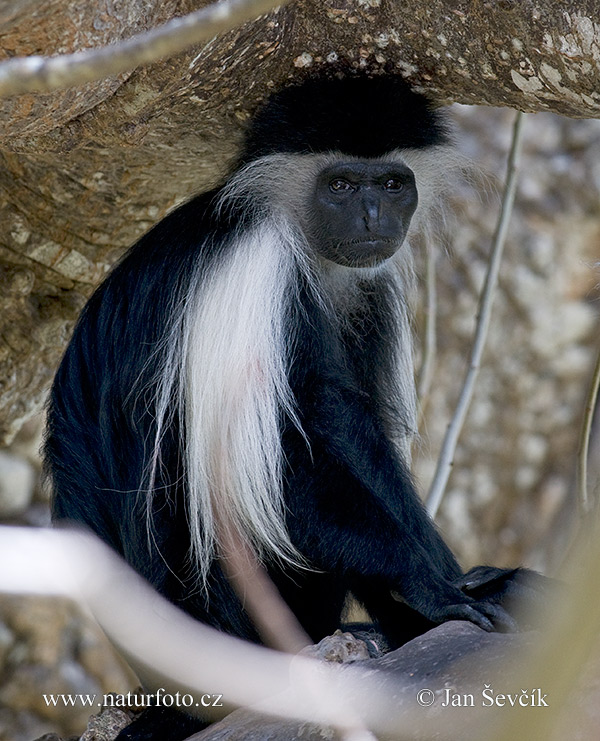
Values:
[(368, 240), (361, 253)]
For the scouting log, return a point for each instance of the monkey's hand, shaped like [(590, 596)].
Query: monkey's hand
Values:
[(487, 615), (451, 601), (505, 600), (521, 593)]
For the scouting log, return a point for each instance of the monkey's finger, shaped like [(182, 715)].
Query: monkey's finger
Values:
[(471, 613), (499, 617)]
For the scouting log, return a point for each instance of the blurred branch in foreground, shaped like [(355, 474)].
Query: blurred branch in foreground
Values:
[(169, 649)]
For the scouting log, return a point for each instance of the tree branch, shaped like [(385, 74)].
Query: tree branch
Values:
[(446, 458), (44, 74), (163, 644)]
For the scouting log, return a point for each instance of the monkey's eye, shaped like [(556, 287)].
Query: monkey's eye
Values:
[(393, 185), (340, 186)]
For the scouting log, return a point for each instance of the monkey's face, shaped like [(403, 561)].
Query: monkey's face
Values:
[(361, 211)]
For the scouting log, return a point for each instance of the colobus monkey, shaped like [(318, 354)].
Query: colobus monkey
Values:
[(247, 366)]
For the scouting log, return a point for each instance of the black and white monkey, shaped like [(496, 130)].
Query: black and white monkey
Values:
[(249, 362)]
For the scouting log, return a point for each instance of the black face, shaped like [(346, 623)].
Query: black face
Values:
[(360, 211)]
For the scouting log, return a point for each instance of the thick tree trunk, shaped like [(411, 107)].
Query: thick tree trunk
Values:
[(84, 171)]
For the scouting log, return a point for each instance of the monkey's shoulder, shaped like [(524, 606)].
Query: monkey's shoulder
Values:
[(152, 271), (188, 232)]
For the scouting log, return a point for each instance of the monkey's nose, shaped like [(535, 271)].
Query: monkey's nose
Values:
[(371, 216)]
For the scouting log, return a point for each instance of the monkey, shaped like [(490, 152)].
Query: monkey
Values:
[(247, 366)]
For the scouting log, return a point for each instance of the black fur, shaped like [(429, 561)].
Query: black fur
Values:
[(357, 116), (352, 509)]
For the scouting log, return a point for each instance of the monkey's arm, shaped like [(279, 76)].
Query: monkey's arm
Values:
[(365, 518)]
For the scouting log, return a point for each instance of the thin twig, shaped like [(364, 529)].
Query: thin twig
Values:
[(446, 458), (44, 74), (429, 343), (584, 441)]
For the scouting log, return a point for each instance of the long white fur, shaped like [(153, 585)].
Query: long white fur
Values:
[(226, 354), (236, 391)]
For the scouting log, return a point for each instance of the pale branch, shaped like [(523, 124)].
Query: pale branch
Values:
[(584, 441), (162, 643), (446, 458), (45, 74)]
